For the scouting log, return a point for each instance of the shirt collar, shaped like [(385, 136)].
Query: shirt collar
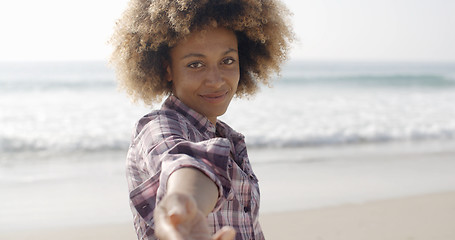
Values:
[(227, 132), (201, 122)]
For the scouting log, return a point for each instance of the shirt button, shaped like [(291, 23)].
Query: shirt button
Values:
[(246, 209)]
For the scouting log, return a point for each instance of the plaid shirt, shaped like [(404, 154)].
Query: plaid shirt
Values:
[(177, 137)]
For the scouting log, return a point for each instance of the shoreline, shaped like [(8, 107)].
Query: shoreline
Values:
[(82, 189), (424, 217)]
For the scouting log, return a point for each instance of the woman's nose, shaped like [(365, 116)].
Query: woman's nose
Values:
[(214, 78)]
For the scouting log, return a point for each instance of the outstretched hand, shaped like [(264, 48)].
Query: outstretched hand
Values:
[(178, 218)]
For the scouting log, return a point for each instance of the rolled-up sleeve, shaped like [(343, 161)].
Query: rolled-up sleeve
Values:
[(211, 157), (165, 148)]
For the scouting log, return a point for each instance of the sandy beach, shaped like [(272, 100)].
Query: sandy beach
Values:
[(348, 151), (400, 192), (427, 217)]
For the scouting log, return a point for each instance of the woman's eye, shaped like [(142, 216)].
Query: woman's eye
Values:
[(228, 61), (195, 65)]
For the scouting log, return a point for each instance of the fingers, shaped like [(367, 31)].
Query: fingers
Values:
[(177, 218), (178, 208), (225, 233), (166, 226), (172, 213)]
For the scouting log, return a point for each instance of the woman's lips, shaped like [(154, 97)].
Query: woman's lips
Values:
[(214, 97)]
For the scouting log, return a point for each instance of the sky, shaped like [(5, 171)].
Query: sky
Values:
[(327, 30)]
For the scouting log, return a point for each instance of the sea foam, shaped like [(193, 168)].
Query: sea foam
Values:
[(76, 106)]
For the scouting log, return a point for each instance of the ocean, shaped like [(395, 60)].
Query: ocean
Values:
[(76, 106), (65, 129)]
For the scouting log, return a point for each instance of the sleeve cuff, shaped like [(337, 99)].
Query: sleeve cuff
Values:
[(215, 164)]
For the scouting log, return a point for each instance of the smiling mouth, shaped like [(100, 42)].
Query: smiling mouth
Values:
[(214, 97)]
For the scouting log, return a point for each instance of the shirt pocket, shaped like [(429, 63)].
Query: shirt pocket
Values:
[(243, 184)]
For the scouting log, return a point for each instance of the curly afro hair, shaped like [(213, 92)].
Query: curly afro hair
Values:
[(148, 29)]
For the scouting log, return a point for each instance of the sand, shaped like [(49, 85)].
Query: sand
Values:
[(426, 217), (429, 217), (394, 191)]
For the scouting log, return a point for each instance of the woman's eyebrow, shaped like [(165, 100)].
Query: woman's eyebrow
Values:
[(193, 55), (202, 55), (230, 50)]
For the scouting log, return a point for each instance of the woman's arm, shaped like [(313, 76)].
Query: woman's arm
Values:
[(182, 214), (192, 182)]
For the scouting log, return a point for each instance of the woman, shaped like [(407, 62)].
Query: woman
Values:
[(188, 172)]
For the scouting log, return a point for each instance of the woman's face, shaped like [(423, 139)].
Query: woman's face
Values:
[(204, 71)]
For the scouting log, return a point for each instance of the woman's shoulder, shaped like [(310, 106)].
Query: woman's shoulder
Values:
[(163, 120)]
